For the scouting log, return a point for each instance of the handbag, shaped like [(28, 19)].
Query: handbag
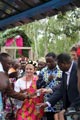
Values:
[(11, 114)]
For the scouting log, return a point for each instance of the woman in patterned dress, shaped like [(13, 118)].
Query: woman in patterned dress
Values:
[(27, 84)]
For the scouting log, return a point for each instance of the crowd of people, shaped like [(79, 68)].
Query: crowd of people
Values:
[(41, 90)]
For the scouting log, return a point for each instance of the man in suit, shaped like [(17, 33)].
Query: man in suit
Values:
[(76, 103), (68, 90), (75, 106)]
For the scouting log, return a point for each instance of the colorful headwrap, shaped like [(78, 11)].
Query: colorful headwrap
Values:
[(11, 70)]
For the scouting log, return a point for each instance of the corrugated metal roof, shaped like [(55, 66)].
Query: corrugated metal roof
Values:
[(19, 12)]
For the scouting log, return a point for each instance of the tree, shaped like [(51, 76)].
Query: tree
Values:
[(57, 33)]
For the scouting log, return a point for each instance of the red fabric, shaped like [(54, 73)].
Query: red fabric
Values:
[(19, 43), (28, 110), (78, 52), (18, 40), (9, 41)]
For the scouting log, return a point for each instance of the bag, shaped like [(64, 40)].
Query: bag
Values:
[(11, 114)]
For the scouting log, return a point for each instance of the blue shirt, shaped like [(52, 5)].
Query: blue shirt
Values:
[(57, 73)]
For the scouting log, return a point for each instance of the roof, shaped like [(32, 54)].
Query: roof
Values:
[(19, 12)]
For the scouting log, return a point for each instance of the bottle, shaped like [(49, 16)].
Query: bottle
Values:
[(1, 107)]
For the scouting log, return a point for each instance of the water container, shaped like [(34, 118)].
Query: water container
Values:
[(1, 102), (1, 108)]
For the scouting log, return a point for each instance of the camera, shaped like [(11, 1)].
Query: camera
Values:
[(72, 114)]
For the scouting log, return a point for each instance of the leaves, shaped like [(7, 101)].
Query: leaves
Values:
[(57, 33)]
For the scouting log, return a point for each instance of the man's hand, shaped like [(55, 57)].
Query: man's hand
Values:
[(51, 77), (46, 90), (42, 105)]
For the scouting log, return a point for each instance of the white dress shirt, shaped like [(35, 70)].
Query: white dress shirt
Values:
[(68, 73), (1, 68)]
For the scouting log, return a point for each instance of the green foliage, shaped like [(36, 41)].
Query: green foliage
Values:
[(13, 33), (57, 33)]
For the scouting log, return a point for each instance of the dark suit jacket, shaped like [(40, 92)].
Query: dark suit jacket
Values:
[(76, 103), (67, 94)]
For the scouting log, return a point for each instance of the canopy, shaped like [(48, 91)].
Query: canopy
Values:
[(19, 12)]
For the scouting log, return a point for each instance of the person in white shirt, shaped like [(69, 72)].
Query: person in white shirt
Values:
[(27, 83)]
